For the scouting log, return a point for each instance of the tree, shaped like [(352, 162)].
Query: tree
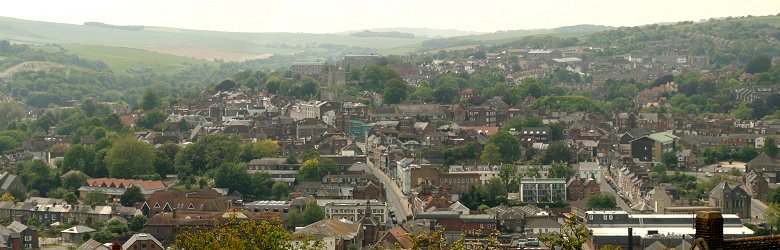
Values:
[(395, 91), (81, 158), (131, 196), (772, 215), (602, 202), (7, 197), (770, 146), (37, 176), (312, 213), (560, 170), (294, 218), (259, 149), (533, 172), (209, 152), (233, 233), (163, 165), (280, 190), (152, 118), (72, 182), (494, 192), (572, 237), (310, 171), (556, 152), (71, 198), (136, 224), (491, 154), (129, 158), (95, 198), (670, 159), (7, 143), (758, 64), (510, 176), (507, 145), (150, 100)]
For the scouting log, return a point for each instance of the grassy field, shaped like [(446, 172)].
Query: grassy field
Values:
[(123, 60)]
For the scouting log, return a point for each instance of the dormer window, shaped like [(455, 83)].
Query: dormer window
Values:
[(157, 205), (191, 206)]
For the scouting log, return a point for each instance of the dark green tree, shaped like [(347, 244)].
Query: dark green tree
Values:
[(280, 190), (560, 170), (150, 100), (770, 146), (129, 158), (395, 91), (556, 152), (95, 198), (136, 224), (79, 157), (313, 213), (758, 64), (132, 196), (507, 145), (602, 202)]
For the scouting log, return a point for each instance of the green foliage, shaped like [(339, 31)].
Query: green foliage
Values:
[(153, 119), (209, 152), (235, 177), (758, 64), (7, 143), (71, 198), (241, 234), (507, 145), (150, 100), (131, 196), (259, 149), (129, 158), (491, 154), (81, 158), (95, 198), (770, 146), (557, 152), (280, 191), (572, 236), (560, 170), (569, 103), (136, 224), (74, 181), (493, 193), (510, 176), (395, 91), (457, 154), (37, 176), (312, 213), (602, 202), (316, 169)]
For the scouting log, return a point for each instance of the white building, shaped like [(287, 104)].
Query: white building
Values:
[(542, 190), (353, 210)]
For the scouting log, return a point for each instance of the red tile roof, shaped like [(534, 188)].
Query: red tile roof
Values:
[(125, 183)]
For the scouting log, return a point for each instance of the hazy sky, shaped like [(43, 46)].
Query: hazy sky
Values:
[(320, 16)]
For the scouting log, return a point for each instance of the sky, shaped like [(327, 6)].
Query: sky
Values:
[(331, 16)]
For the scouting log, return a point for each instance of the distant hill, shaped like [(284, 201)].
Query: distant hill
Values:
[(425, 32)]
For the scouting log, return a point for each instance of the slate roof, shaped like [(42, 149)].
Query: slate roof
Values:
[(92, 245), (344, 230), (141, 237), (78, 230)]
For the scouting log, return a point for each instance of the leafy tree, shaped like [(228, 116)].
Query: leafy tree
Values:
[(310, 171), (129, 158), (572, 236), (556, 152), (7, 197), (294, 219), (774, 197), (280, 190), (510, 176), (163, 165), (81, 158), (150, 100), (37, 176), (395, 91), (446, 93), (209, 152), (491, 154), (74, 181), (136, 224), (772, 215), (507, 145), (7, 143), (95, 198), (58, 193), (560, 170), (313, 213), (104, 236), (758, 64), (602, 202), (235, 177), (71, 198), (533, 172), (770, 146), (233, 233), (259, 149), (494, 192), (152, 119), (131, 196)]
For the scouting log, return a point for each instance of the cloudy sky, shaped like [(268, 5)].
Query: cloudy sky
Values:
[(328, 16)]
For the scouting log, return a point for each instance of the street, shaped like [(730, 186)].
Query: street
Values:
[(757, 208), (606, 188), (396, 200)]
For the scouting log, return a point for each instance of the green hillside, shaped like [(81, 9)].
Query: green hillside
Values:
[(126, 60)]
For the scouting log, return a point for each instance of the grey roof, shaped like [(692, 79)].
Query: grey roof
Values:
[(541, 222), (78, 229), (6, 179), (92, 245), (142, 237), (17, 227)]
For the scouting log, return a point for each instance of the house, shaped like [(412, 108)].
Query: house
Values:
[(28, 235), (731, 199), (510, 219), (578, 189), (452, 221), (766, 165), (650, 148), (92, 245), (334, 234), (542, 225), (756, 185), (11, 183), (142, 241), (76, 233), (201, 200), (307, 68), (114, 188)]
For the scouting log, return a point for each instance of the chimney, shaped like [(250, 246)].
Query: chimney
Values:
[(709, 226), (630, 238)]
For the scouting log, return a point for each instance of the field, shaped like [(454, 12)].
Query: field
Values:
[(123, 60)]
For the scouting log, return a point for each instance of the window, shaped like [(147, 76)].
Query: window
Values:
[(27, 238), (157, 205), (605, 217), (610, 217), (590, 217)]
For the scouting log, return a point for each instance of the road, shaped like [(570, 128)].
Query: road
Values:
[(606, 188), (395, 198)]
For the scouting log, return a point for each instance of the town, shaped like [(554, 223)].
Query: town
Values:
[(534, 144)]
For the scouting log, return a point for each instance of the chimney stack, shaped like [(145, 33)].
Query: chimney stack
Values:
[(709, 226)]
